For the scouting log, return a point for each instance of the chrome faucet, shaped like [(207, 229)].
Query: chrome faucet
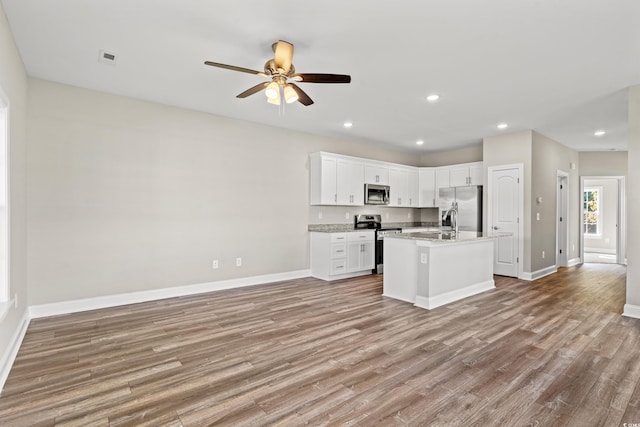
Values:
[(453, 211)]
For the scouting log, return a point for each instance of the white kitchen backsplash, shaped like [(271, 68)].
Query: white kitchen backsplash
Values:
[(345, 214)]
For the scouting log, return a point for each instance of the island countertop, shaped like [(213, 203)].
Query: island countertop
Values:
[(341, 228), (448, 236)]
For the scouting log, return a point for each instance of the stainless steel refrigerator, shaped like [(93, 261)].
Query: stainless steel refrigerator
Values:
[(469, 206)]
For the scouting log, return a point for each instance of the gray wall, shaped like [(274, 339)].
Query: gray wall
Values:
[(13, 83), (549, 157), (542, 158), (461, 155), (127, 195), (510, 149), (607, 163)]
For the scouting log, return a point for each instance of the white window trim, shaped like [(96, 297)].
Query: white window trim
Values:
[(5, 285), (598, 235)]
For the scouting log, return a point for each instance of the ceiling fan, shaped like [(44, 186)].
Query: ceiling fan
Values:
[(281, 70)]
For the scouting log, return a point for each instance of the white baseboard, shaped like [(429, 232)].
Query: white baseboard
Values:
[(573, 262), (458, 294), (600, 251), (9, 354), (539, 273), (631, 311), (74, 306)]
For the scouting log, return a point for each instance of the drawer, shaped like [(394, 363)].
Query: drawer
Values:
[(338, 250), (361, 236), (339, 266), (338, 237)]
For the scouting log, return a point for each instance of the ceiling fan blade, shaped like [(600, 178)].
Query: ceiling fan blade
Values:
[(255, 89), (321, 78), (283, 55), (303, 98), (234, 68)]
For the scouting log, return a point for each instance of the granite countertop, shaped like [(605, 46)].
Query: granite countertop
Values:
[(341, 228), (449, 237)]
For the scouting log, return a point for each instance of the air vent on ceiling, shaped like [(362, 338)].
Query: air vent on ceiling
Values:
[(107, 57)]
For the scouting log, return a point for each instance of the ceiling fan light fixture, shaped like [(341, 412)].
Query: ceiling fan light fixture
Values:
[(274, 101), (272, 91), (290, 95)]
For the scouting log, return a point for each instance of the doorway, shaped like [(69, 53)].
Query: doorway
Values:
[(603, 221), (562, 214)]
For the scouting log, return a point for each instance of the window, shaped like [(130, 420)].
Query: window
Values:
[(592, 218)]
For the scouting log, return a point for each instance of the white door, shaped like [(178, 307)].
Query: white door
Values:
[(504, 216)]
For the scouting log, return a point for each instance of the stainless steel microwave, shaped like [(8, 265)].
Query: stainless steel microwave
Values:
[(375, 194)]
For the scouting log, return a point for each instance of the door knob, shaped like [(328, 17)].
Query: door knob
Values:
[(495, 228)]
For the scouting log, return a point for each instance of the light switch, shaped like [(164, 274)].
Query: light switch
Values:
[(423, 258), (537, 216)]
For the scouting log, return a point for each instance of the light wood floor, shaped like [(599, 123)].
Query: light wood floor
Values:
[(551, 352)]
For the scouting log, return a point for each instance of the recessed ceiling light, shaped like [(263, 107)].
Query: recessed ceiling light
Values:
[(502, 126), (419, 142), (433, 98), (347, 124), (599, 133)]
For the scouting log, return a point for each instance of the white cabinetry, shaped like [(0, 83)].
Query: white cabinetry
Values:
[(413, 192), (404, 187), (341, 255), (427, 187), (442, 181), (399, 183), (336, 180), (360, 251), (468, 174), (376, 173), (350, 183)]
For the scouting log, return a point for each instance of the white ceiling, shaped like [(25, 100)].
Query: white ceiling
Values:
[(560, 67)]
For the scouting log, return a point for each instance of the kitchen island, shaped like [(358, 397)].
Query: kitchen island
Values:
[(433, 269)]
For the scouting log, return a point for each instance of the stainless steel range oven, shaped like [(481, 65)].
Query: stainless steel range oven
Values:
[(375, 222)]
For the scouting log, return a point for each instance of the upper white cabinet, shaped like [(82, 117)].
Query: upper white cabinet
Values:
[(427, 187), (399, 183), (339, 180), (336, 180), (467, 174), (413, 189), (404, 186), (376, 173), (350, 183), (442, 178)]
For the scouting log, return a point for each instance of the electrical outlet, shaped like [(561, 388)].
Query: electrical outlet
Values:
[(319, 215), (423, 258), (238, 262), (538, 217), (543, 254), (347, 215), (387, 215), (409, 215), (15, 299), (215, 263), (573, 247)]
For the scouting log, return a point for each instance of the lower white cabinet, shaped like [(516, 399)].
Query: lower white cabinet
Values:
[(341, 255)]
